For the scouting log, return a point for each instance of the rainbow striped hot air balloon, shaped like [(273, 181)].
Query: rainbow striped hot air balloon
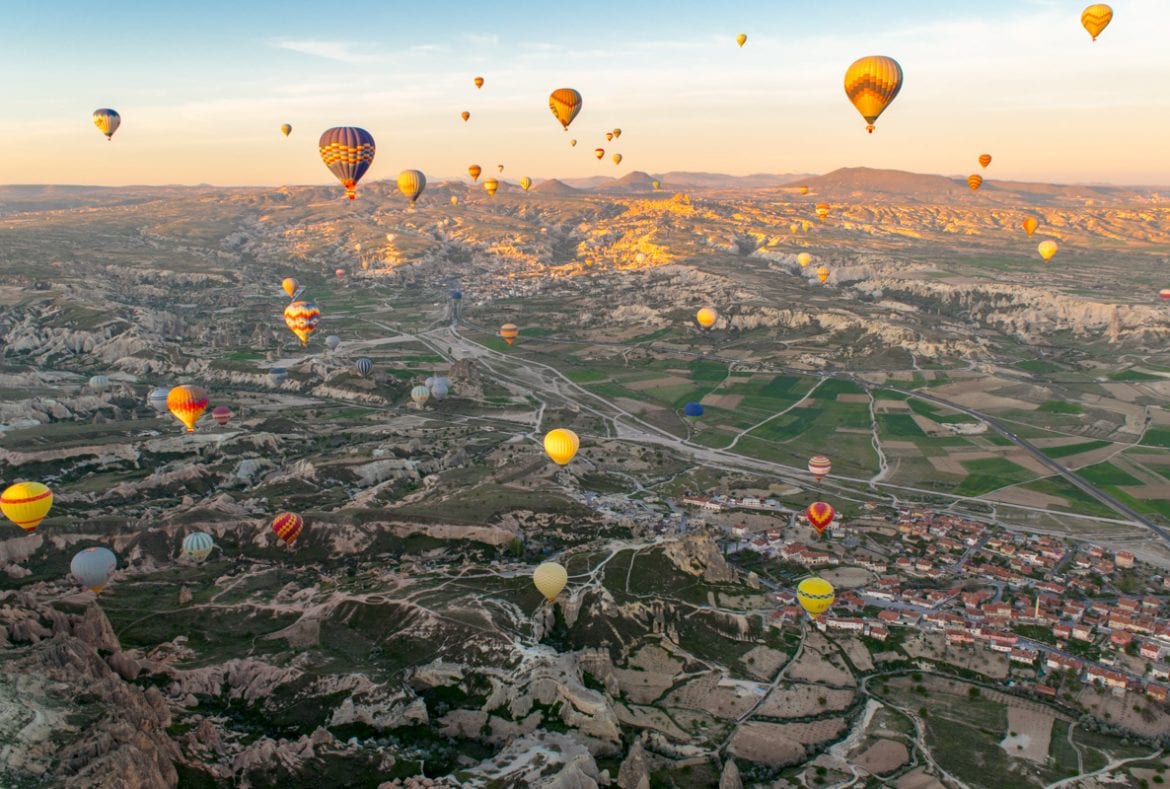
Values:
[(26, 504), (187, 403), (288, 526), (348, 152), (820, 515), (302, 318), (197, 546)]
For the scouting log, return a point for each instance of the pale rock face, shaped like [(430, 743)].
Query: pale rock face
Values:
[(698, 554)]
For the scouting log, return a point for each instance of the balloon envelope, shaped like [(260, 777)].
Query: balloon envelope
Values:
[(871, 83), (1030, 225), (302, 317), (974, 181), (288, 526), (348, 152), (819, 466), (491, 185), (984, 159), (1096, 18), (99, 382), (285, 129), (26, 504), (1047, 249), (820, 515), (411, 183), (187, 403), (474, 171), (94, 567), (561, 445), (197, 546), (565, 103), (804, 259), (509, 332), (364, 366), (707, 317), (420, 394), (550, 579), (741, 39), (107, 121), (815, 595), (290, 286), (222, 415), (157, 399), (693, 409)]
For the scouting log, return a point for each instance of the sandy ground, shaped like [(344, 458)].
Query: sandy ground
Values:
[(1033, 733), (934, 646), (657, 383), (633, 406), (908, 446), (1159, 491), (918, 779), (983, 401), (649, 718), (763, 744), (820, 665), (883, 756), (1120, 710), (848, 577), (703, 693), (643, 687), (729, 402), (1026, 498), (763, 662), (857, 653), (802, 701)]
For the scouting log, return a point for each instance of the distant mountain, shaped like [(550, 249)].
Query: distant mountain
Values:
[(554, 187), (682, 180)]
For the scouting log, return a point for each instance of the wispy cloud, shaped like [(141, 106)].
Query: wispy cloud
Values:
[(482, 39), (342, 51)]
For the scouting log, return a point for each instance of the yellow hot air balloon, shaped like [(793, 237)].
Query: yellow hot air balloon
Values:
[(561, 445), (741, 39), (26, 504), (804, 190), (478, 82), (815, 595), (187, 403), (491, 185), (290, 286), (1030, 225), (871, 83), (454, 200), (573, 143), (465, 115), (984, 159), (411, 183), (526, 183), (599, 152), (823, 274), (286, 129), (822, 212), (474, 171), (609, 136), (707, 317), (804, 259), (974, 181), (1047, 249), (655, 185), (107, 121), (509, 332), (1096, 18), (302, 317), (617, 133), (617, 158), (565, 103), (550, 579)]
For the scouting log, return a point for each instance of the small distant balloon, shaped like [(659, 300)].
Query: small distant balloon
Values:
[(94, 567), (823, 274), (222, 415), (609, 136), (288, 526), (599, 152), (815, 595), (478, 82), (197, 546), (804, 259), (565, 103), (573, 143), (617, 158), (290, 286), (99, 383), (1047, 249), (819, 466), (984, 159), (526, 183), (411, 183), (26, 504), (820, 515), (107, 121), (364, 366), (617, 133), (348, 152), (741, 39), (465, 115), (420, 395), (693, 410), (550, 579), (822, 210), (509, 332), (302, 318), (286, 129), (974, 181), (474, 171), (491, 185), (1030, 225)]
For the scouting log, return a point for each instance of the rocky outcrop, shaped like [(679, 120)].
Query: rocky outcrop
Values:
[(698, 555)]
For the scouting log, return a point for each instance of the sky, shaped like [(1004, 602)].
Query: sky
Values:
[(203, 88)]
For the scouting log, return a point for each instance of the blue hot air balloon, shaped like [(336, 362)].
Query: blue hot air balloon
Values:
[(440, 388), (456, 295), (277, 375), (197, 545), (693, 410), (93, 567), (364, 366), (348, 152)]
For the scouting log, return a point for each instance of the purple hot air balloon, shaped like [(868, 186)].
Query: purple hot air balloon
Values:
[(693, 410), (348, 152)]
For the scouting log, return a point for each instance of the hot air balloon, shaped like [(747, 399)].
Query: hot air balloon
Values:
[(454, 200), (565, 103), (339, 273), (617, 133), (974, 181), (509, 332), (823, 274), (599, 152), (94, 567), (288, 526), (561, 445), (439, 389), (157, 399), (815, 595), (820, 515), (804, 190), (1095, 18), (348, 152), (550, 579), (474, 171), (478, 82), (707, 317), (465, 115), (804, 259), (499, 168), (99, 383), (187, 403), (693, 410), (302, 318), (411, 183), (290, 286), (491, 185), (617, 158), (1047, 249), (26, 504), (364, 366), (222, 415), (822, 210), (332, 341), (1164, 293), (655, 185), (285, 129), (984, 159), (526, 183), (741, 39), (420, 394), (197, 546), (871, 83), (1030, 225), (107, 121), (277, 376), (573, 143), (819, 466), (609, 136)]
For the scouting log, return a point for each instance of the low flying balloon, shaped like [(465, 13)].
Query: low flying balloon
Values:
[(1096, 18), (474, 171), (454, 200), (348, 152), (526, 183), (26, 504), (465, 115), (456, 295), (820, 515), (509, 332), (440, 389), (565, 103), (707, 317), (157, 399), (364, 366), (550, 579), (339, 273), (277, 376), (974, 181), (286, 129), (693, 410), (187, 404), (99, 382), (107, 121), (815, 595), (411, 183), (499, 168), (1030, 225), (741, 39), (1047, 249), (302, 318), (561, 445), (420, 394), (478, 82), (94, 567), (804, 259), (288, 526), (332, 341), (819, 466), (823, 274), (617, 158), (1164, 294), (609, 136), (984, 159), (822, 210), (804, 190), (871, 83), (222, 415), (655, 185), (290, 285), (491, 185), (197, 546)]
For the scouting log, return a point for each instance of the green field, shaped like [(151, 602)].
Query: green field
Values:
[(1073, 449), (988, 474)]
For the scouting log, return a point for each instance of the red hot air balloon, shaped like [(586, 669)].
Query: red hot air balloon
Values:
[(222, 415), (820, 515), (1164, 293), (288, 526)]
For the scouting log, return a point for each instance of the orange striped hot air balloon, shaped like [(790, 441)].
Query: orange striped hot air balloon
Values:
[(509, 332), (1164, 294), (822, 211), (302, 318), (1030, 225), (871, 83), (474, 171), (984, 159), (823, 274), (820, 515), (478, 82), (290, 285), (187, 403), (491, 185), (819, 466), (565, 103), (288, 526), (974, 181), (1096, 18), (26, 504)]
